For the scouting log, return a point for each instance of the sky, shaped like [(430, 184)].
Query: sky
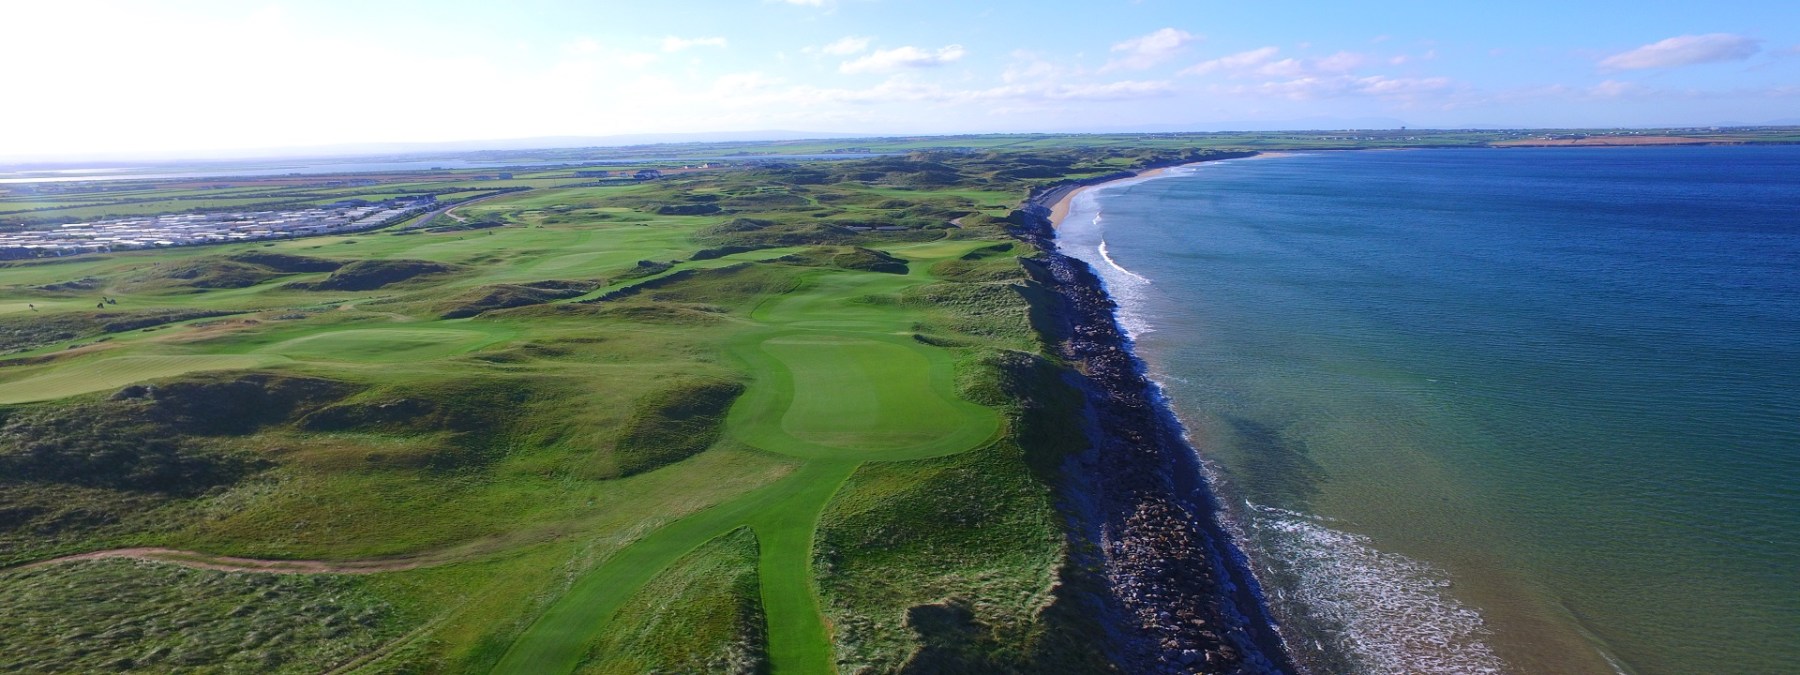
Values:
[(93, 78)]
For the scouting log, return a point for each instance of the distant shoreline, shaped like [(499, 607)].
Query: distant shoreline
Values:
[(1061, 198), (1060, 208)]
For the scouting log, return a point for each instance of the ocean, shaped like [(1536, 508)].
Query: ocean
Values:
[(1473, 411)]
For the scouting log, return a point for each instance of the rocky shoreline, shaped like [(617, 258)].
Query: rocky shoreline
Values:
[(1180, 597)]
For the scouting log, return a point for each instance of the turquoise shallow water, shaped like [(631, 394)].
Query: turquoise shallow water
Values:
[(1488, 410)]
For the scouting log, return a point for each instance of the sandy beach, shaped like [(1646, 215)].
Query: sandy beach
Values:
[(1060, 209)]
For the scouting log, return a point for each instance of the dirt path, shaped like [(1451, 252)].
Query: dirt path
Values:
[(222, 563)]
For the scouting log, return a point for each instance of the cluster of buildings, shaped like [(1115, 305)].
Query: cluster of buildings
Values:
[(188, 229)]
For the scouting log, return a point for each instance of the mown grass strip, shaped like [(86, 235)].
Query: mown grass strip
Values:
[(798, 639), (558, 640)]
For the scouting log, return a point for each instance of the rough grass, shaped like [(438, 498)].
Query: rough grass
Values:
[(957, 564), (978, 270), (119, 615), (993, 311), (199, 274), (22, 332), (504, 296), (859, 258), (673, 424), (702, 614), (736, 285), (286, 263), (151, 438), (368, 275)]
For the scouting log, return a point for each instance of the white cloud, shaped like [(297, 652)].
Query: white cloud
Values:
[(675, 44), (1341, 86), (847, 45), (1145, 51), (1380, 85), (636, 59), (807, 3), (1282, 68), (1262, 63), (582, 46), (1028, 67), (1617, 89), (1684, 50), (1234, 62), (1341, 62), (900, 90), (1108, 91), (887, 60)]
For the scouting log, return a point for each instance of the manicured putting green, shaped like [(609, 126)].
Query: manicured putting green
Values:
[(822, 395), (940, 249), (107, 373), (853, 393), (382, 344)]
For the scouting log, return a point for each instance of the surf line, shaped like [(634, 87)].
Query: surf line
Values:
[(1115, 264)]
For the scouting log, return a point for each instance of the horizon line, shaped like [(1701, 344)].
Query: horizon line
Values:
[(575, 142)]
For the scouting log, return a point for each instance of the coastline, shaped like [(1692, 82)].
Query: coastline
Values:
[(1059, 209), (1178, 592)]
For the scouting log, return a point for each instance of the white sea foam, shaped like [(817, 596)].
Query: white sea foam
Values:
[(1380, 611), (1127, 289), (1115, 264), (1086, 240)]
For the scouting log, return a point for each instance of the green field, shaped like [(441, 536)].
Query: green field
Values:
[(114, 372), (717, 406), (835, 393)]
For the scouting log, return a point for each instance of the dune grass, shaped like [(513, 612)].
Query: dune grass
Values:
[(119, 615)]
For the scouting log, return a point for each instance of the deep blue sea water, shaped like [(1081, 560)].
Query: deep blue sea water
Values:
[(1524, 410)]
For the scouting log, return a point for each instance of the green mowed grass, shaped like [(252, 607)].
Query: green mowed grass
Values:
[(542, 557), (387, 512), (379, 344), (823, 396), (560, 638), (799, 641), (100, 374), (824, 389), (8, 307)]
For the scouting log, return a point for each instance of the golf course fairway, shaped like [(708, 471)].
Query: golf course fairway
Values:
[(791, 417), (833, 381), (110, 373)]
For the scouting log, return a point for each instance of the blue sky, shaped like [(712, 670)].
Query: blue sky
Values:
[(170, 77)]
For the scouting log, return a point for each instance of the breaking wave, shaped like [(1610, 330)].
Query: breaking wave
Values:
[(1351, 608), (1115, 264)]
